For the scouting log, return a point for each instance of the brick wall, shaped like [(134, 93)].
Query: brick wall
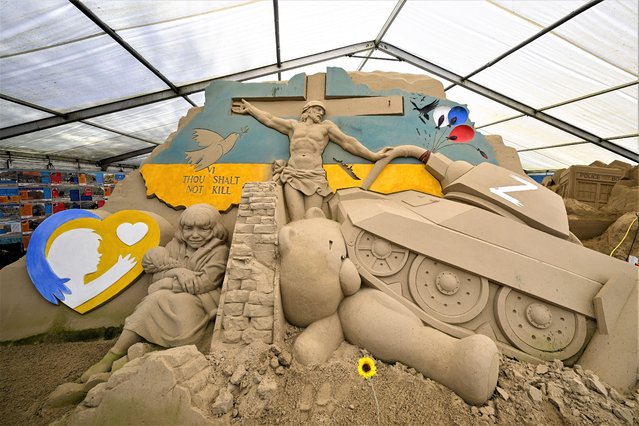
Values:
[(250, 306)]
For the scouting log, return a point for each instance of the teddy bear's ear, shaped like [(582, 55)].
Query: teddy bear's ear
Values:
[(314, 213), (284, 237)]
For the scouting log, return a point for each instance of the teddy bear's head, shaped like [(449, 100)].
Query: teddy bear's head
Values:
[(312, 252)]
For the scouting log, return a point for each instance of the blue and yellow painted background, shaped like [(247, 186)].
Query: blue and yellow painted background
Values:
[(244, 149)]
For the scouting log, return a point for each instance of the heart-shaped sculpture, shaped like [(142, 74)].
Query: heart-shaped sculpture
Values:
[(132, 233), (83, 261)]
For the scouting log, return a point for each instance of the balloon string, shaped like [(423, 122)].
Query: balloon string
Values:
[(451, 144), (439, 141)]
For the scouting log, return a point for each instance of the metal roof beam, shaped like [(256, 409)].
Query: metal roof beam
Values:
[(150, 98), (117, 158), (30, 105), (504, 100), (276, 24), (383, 31), (570, 101), (118, 132), (531, 39), (116, 37), (561, 145), (59, 114), (17, 155)]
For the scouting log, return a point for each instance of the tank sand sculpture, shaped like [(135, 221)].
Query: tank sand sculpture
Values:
[(494, 256)]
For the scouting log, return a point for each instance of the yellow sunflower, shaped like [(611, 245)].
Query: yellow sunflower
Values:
[(366, 367)]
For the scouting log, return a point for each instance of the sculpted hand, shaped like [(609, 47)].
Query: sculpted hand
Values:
[(382, 153), (186, 278), (241, 107), (127, 262)]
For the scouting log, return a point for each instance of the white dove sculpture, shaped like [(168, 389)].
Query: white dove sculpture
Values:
[(213, 147)]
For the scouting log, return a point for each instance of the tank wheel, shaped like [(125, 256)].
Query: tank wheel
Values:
[(448, 294), (538, 328), (379, 256)]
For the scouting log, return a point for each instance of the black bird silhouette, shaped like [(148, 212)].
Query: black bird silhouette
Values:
[(423, 111)]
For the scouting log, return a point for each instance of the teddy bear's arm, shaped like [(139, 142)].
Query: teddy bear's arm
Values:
[(349, 277)]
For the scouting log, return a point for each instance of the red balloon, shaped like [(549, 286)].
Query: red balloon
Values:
[(462, 134)]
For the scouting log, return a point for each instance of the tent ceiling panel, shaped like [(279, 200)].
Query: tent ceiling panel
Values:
[(582, 154), (208, 46), (580, 54), (541, 13), (608, 30), (134, 161), (631, 144), (126, 14), (32, 25), (77, 75), (314, 26), (153, 122), (198, 98), (344, 62), (526, 132), (450, 35), (551, 70), (482, 110), (608, 115), (540, 160), (62, 140), (115, 145), (389, 63), (12, 114)]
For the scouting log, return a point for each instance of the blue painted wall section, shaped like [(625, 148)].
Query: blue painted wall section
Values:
[(262, 145)]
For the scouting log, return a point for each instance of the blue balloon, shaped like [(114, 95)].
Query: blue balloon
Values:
[(457, 115)]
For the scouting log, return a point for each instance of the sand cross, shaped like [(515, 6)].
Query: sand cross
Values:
[(335, 106)]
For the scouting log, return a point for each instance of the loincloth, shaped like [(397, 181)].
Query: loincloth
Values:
[(308, 182)]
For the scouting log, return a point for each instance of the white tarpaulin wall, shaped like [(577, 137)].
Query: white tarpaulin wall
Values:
[(106, 81)]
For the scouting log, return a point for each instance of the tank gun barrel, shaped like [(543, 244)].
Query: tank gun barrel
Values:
[(443, 169), (396, 152)]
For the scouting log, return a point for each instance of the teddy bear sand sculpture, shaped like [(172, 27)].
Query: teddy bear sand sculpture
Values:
[(321, 291)]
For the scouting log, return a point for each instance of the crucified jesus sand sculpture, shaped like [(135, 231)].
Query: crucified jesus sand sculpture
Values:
[(303, 177)]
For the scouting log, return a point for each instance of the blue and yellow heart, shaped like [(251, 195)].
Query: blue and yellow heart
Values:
[(82, 260)]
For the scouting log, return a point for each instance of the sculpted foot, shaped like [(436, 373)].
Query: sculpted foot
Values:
[(389, 331), (102, 366), (474, 369), (317, 343)]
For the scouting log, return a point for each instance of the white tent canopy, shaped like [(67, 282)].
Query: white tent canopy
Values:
[(106, 81)]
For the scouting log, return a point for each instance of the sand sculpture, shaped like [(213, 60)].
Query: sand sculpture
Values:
[(602, 201), (321, 291), (90, 259), (435, 258), (492, 263), (185, 292), (495, 257), (303, 177)]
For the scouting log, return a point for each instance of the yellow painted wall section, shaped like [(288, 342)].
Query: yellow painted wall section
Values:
[(221, 185)]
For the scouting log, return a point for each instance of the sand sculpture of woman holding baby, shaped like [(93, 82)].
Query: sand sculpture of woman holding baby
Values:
[(185, 289)]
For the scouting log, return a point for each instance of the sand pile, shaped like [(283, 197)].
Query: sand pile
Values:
[(260, 384)]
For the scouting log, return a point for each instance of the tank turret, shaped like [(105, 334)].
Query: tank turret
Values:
[(490, 187)]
